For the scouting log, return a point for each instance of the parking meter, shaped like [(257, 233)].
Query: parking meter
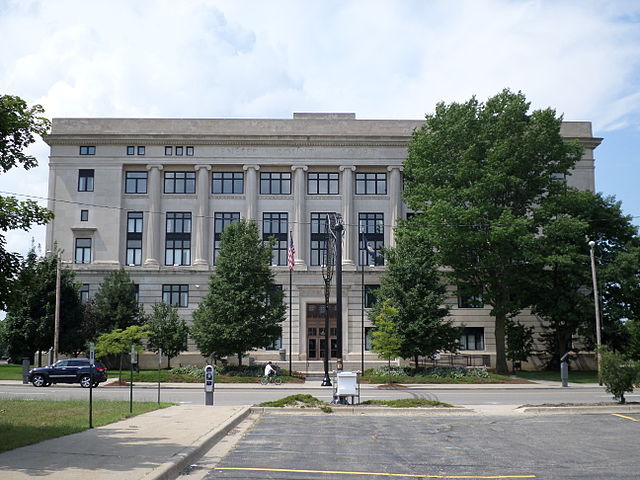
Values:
[(209, 381)]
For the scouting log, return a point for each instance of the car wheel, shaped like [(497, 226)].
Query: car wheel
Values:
[(85, 381), (38, 380)]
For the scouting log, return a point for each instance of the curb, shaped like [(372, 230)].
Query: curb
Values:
[(581, 409), (355, 410), (172, 468)]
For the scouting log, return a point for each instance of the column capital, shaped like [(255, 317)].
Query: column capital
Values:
[(395, 167), (198, 167), (159, 167), (303, 167), (247, 167), (347, 167)]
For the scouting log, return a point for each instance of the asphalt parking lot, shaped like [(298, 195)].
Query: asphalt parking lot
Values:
[(465, 447)]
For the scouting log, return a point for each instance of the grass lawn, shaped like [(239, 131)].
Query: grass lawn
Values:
[(492, 378), (167, 376), (11, 372), (23, 422), (578, 376)]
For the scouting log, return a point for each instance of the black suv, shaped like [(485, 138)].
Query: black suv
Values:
[(71, 370)]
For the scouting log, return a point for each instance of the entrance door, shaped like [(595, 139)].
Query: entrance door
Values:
[(316, 334)]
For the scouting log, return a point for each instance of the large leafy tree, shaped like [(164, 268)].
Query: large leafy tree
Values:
[(119, 342), (167, 331), (562, 296), (413, 286), (19, 125), (29, 324), (243, 309), (114, 305), (475, 171)]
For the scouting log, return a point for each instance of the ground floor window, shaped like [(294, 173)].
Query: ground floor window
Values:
[(176, 295), (472, 338), (367, 338)]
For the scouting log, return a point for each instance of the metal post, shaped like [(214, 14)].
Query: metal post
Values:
[(92, 362), (564, 370), (159, 365), (362, 323), (290, 321), (209, 382), (56, 324), (338, 228), (596, 301)]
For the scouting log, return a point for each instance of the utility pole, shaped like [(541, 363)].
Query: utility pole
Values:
[(56, 321)]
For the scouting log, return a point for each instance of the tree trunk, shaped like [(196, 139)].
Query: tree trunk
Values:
[(168, 363), (415, 360), (239, 359), (501, 359)]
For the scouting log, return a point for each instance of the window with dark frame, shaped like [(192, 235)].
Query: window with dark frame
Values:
[(323, 183), (371, 183), (179, 182), (176, 295), (83, 250), (276, 225), (470, 301), (368, 344), (275, 183), (472, 338), (135, 182), (178, 239), (84, 293), (189, 151), (317, 239), (85, 180), (168, 151), (141, 150), (134, 238), (84, 215), (179, 151), (227, 182), (370, 295), (221, 220), (131, 150), (87, 150), (371, 227), (136, 291)]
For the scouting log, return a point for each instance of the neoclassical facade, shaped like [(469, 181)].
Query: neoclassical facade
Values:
[(154, 195)]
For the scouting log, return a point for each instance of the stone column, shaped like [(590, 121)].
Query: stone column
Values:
[(153, 225), (300, 226), (395, 200), (202, 222), (348, 216), (251, 185)]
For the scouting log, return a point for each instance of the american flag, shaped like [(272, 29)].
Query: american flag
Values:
[(291, 260)]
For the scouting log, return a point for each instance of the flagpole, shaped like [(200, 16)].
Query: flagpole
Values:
[(290, 320), (291, 260)]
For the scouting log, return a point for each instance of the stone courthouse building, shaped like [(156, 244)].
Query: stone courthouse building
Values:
[(154, 195)]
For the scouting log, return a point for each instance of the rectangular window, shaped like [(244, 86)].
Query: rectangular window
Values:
[(472, 338), (275, 345), (131, 150), (141, 150), (179, 151), (220, 221), (85, 180), (318, 239), (84, 215), (227, 182), (371, 241), (176, 295), (470, 301), (367, 338), (276, 225), (275, 183), (189, 151), (168, 151), (134, 238), (135, 182), (371, 183), (136, 291), (369, 295), (178, 239), (180, 182), (84, 293), (87, 150), (83, 250), (323, 184)]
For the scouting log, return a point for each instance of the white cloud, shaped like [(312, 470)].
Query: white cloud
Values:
[(378, 58)]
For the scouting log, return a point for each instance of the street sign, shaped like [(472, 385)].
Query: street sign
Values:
[(92, 354)]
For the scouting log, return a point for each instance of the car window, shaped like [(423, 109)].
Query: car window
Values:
[(61, 363), (77, 363)]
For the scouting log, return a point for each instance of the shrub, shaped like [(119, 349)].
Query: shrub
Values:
[(619, 374)]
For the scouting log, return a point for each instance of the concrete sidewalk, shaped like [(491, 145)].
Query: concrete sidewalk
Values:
[(155, 445)]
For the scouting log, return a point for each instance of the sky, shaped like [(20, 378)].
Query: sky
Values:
[(393, 59)]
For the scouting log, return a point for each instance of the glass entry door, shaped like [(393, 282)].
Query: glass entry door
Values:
[(316, 333)]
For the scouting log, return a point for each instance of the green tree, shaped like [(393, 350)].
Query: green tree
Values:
[(619, 374), (167, 331), (385, 339), (475, 171), (632, 331), (561, 271), (243, 309), (119, 342), (29, 325), (19, 124), (114, 305), (412, 285), (519, 342)]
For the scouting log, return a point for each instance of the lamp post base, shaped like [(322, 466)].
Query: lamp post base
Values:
[(326, 381)]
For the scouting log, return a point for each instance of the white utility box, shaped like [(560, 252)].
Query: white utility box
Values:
[(347, 384)]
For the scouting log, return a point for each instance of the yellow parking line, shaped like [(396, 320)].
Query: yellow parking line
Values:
[(341, 472), (628, 418)]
